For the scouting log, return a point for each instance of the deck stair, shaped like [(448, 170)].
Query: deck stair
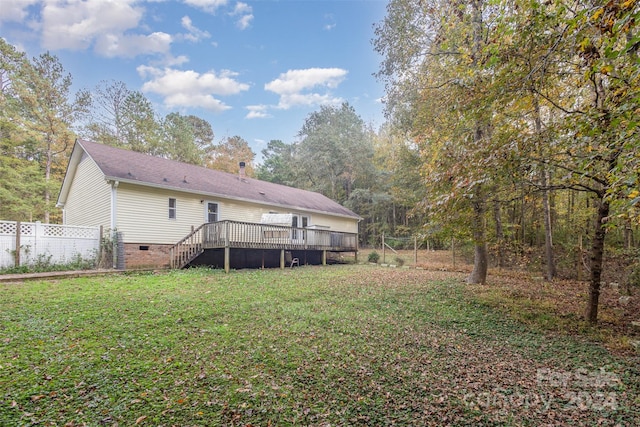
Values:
[(187, 249)]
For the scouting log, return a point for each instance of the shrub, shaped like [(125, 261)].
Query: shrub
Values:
[(399, 261), (374, 257)]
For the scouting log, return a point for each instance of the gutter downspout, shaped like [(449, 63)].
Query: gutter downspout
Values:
[(114, 205)]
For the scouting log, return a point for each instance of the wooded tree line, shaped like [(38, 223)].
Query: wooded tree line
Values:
[(511, 124), (40, 119), (516, 105)]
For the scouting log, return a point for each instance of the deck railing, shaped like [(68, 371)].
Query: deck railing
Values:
[(246, 235), (187, 249)]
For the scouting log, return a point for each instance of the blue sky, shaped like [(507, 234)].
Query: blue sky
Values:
[(251, 68)]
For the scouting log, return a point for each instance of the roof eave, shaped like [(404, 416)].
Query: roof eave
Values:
[(74, 160), (227, 197)]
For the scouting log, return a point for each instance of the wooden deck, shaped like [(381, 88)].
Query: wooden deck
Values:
[(245, 235)]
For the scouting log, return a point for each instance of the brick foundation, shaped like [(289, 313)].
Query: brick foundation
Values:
[(141, 255)]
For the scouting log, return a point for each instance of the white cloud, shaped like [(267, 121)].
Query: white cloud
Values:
[(170, 60), (244, 22), (331, 24), (111, 45), (190, 88), (75, 25), (195, 34), (207, 5), (257, 112), (15, 10), (111, 28), (309, 99), (246, 15), (292, 86)]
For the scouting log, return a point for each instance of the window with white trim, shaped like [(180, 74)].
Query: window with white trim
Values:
[(212, 212), (172, 208)]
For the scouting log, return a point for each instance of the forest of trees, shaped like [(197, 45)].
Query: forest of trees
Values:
[(512, 125), (521, 107)]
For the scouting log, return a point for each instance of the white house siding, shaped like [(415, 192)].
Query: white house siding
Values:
[(143, 214), (89, 200), (345, 225), (252, 212), (242, 211)]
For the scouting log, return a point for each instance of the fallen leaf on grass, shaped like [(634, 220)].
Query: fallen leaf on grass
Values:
[(140, 419)]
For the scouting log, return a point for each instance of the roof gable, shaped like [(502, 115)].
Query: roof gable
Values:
[(133, 167)]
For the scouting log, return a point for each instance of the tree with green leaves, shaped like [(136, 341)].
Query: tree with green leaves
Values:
[(22, 179), (141, 129), (600, 134), (334, 152), (123, 118), (44, 110), (186, 138), (580, 77), (440, 87), (106, 121), (277, 163), (227, 155)]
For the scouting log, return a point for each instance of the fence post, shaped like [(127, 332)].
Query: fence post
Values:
[(415, 250), (453, 251), (579, 258), (99, 259), (383, 250), (16, 260), (37, 237)]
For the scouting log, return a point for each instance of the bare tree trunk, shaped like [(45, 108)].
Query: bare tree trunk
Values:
[(480, 259), (548, 236), (544, 183), (597, 247), (499, 232), (47, 191), (523, 219), (597, 254)]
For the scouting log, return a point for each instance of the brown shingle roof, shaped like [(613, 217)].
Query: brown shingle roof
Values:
[(130, 166)]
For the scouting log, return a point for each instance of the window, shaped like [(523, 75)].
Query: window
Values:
[(299, 221), (212, 212), (172, 208)]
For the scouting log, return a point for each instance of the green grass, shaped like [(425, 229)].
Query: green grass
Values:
[(341, 345)]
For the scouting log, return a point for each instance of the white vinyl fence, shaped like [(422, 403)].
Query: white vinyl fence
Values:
[(46, 243)]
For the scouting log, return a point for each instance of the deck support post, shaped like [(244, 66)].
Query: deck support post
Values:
[(227, 261), (324, 257), (282, 259)]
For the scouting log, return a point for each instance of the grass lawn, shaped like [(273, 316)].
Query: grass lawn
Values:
[(336, 345)]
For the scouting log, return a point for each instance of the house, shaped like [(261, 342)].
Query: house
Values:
[(168, 213)]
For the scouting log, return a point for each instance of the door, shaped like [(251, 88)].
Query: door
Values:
[(298, 235)]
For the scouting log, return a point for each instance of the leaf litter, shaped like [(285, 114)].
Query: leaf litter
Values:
[(342, 345)]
